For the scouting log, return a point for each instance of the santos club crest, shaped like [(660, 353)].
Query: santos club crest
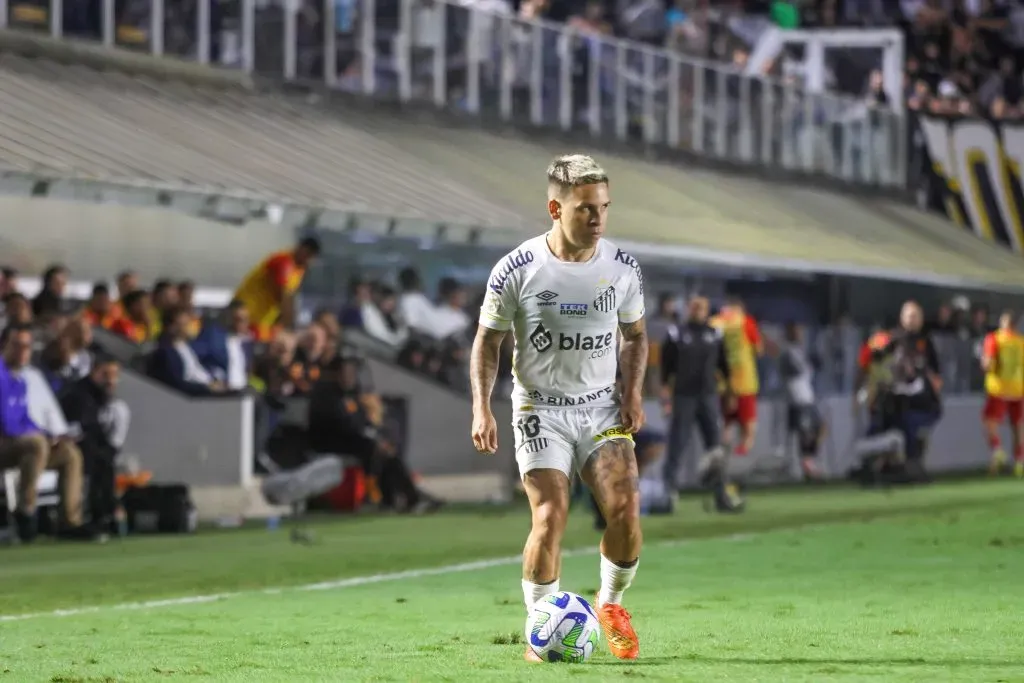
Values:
[(605, 301)]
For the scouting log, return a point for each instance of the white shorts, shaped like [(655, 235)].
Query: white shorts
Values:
[(563, 439)]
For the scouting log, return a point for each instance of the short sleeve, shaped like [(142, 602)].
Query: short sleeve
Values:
[(864, 358), (991, 347), (632, 308), (752, 331), (279, 269), (501, 300)]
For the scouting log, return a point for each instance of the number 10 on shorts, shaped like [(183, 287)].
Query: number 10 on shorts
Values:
[(528, 426)]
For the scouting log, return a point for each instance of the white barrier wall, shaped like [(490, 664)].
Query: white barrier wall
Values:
[(200, 442)]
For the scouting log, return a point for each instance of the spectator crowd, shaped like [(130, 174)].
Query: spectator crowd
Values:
[(67, 416)]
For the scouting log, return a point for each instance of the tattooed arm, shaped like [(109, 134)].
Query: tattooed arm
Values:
[(483, 370), (633, 356), (483, 365)]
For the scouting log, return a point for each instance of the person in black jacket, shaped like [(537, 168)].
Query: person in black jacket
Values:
[(691, 358), (916, 385), (346, 420), (98, 420)]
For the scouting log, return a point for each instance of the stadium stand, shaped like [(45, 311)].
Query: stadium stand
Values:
[(284, 147), (744, 201)]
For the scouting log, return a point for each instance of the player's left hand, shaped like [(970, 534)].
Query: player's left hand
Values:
[(632, 413)]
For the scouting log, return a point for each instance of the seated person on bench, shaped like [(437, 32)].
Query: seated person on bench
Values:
[(344, 420)]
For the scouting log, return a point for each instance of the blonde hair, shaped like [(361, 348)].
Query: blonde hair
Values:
[(572, 170)]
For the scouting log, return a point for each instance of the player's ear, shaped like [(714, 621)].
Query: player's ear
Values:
[(555, 209)]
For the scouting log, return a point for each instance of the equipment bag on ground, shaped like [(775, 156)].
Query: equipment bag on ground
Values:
[(164, 508)]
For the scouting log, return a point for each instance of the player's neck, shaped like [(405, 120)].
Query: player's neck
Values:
[(563, 251)]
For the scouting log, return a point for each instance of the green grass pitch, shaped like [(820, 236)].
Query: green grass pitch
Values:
[(828, 585)]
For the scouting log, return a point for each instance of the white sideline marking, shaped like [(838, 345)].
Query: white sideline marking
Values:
[(350, 582)]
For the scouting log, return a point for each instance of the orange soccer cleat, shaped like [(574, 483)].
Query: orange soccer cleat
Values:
[(618, 629), (532, 656)]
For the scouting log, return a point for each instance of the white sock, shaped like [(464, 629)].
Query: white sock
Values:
[(532, 592), (614, 581)]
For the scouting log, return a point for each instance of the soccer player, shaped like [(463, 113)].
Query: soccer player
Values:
[(565, 295), (268, 291), (741, 339), (1002, 359)]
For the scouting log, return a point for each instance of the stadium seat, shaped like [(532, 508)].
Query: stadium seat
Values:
[(48, 489), (113, 125)]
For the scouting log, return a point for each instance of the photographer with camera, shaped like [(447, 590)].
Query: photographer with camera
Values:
[(903, 393)]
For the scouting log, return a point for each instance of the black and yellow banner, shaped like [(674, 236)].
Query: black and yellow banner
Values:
[(975, 166)]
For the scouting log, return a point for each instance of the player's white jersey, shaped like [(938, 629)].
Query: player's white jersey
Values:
[(564, 317)]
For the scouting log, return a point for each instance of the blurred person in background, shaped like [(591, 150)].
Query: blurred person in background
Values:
[(50, 299), (269, 290), (68, 358), (692, 361), (360, 296), (658, 327), (99, 420), (332, 328), (1002, 359), (803, 418), (225, 347), (164, 298), (380, 317), (134, 322), (916, 385), (17, 311), (8, 281), (450, 318), (49, 327), (127, 282), (414, 307), (174, 363), (187, 302), (346, 420), (99, 311), (307, 366), (26, 447), (271, 369), (743, 345)]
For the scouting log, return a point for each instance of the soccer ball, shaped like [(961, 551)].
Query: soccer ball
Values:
[(562, 627)]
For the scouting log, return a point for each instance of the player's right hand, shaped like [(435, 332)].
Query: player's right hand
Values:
[(485, 432)]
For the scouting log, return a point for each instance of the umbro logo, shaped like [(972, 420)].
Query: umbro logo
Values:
[(547, 298)]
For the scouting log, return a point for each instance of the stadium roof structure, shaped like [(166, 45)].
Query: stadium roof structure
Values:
[(68, 121)]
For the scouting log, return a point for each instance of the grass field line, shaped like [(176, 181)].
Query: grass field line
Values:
[(355, 581)]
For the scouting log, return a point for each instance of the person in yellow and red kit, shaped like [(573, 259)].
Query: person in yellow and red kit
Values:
[(1002, 359), (268, 291), (743, 344)]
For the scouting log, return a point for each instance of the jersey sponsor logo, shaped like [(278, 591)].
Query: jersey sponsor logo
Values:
[(624, 258), (511, 263), (605, 301), (575, 310), (547, 298), (616, 432), (600, 345), (541, 338), (540, 398)]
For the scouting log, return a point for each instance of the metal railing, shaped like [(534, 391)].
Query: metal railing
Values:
[(499, 66)]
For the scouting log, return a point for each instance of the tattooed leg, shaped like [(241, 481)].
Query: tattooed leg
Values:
[(612, 475)]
